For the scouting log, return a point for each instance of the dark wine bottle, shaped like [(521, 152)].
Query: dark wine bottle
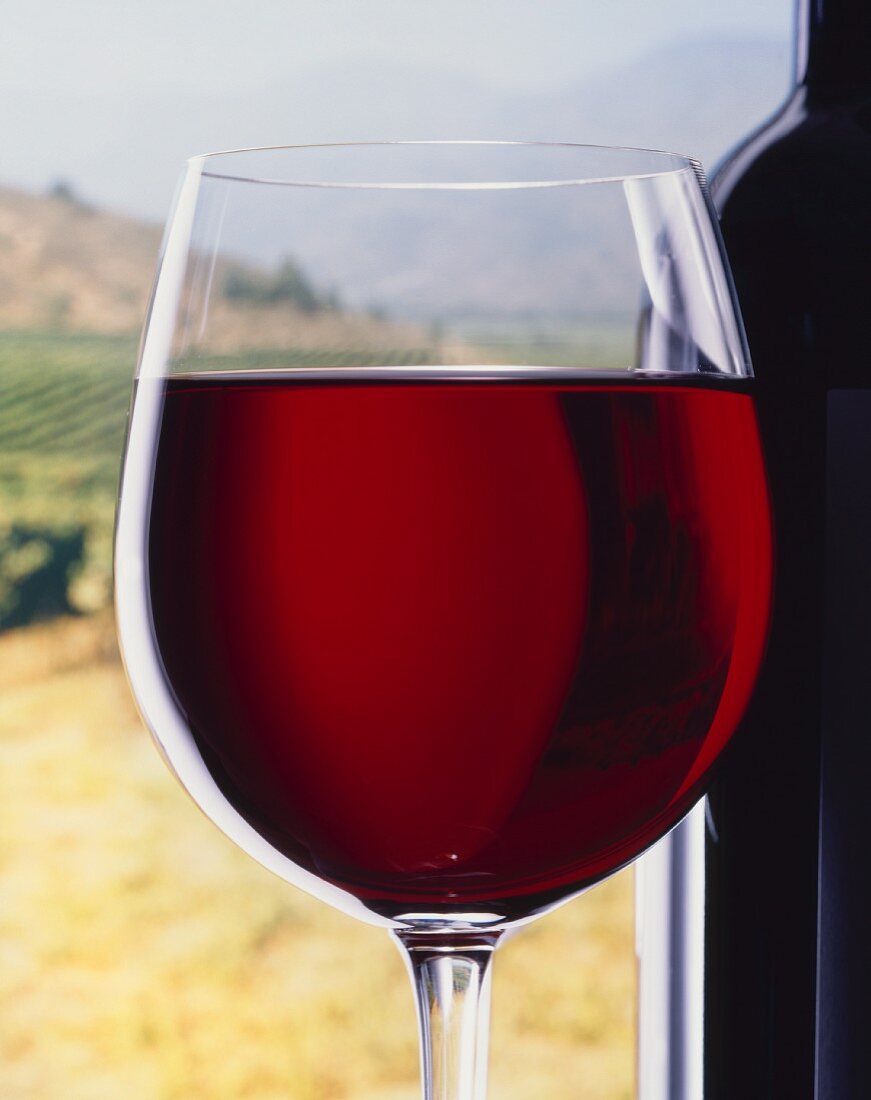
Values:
[(787, 952)]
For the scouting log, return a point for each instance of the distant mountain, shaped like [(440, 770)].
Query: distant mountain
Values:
[(697, 95), (62, 263)]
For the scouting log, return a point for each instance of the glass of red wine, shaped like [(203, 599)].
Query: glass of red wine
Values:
[(443, 551)]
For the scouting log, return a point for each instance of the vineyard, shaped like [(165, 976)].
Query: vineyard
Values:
[(63, 402)]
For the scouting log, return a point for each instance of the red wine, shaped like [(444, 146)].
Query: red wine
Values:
[(446, 643)]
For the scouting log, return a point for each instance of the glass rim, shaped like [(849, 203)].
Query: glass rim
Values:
[(663, 163)]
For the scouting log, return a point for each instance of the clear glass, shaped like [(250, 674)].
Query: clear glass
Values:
[(443, 546)]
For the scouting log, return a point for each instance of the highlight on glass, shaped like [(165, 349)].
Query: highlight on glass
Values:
[(443, 556)]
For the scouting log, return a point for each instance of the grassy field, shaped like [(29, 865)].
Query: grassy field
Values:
[(144, 956)]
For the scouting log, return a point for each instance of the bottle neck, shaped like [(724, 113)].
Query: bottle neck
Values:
[(834, 50)]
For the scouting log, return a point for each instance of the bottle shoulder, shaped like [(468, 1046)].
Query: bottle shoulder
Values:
[(796, 219), (795, 155), (757, 148)]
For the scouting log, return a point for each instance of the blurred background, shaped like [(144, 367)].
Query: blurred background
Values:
[(141, 954)]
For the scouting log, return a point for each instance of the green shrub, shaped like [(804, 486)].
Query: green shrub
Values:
[(37, 567), (289, 284)]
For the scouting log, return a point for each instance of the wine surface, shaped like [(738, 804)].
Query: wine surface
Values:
[(448, 643)]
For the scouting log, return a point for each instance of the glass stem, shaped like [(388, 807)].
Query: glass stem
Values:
[(451, 978)]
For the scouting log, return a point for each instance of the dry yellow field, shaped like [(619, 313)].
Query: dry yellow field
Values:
[(142, 956)]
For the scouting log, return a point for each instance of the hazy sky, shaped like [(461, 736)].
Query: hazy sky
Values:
[(123, 45)]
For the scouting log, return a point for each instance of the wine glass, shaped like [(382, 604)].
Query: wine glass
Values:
[(443, 553)]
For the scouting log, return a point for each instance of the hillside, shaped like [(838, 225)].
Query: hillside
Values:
[(66, 266)]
